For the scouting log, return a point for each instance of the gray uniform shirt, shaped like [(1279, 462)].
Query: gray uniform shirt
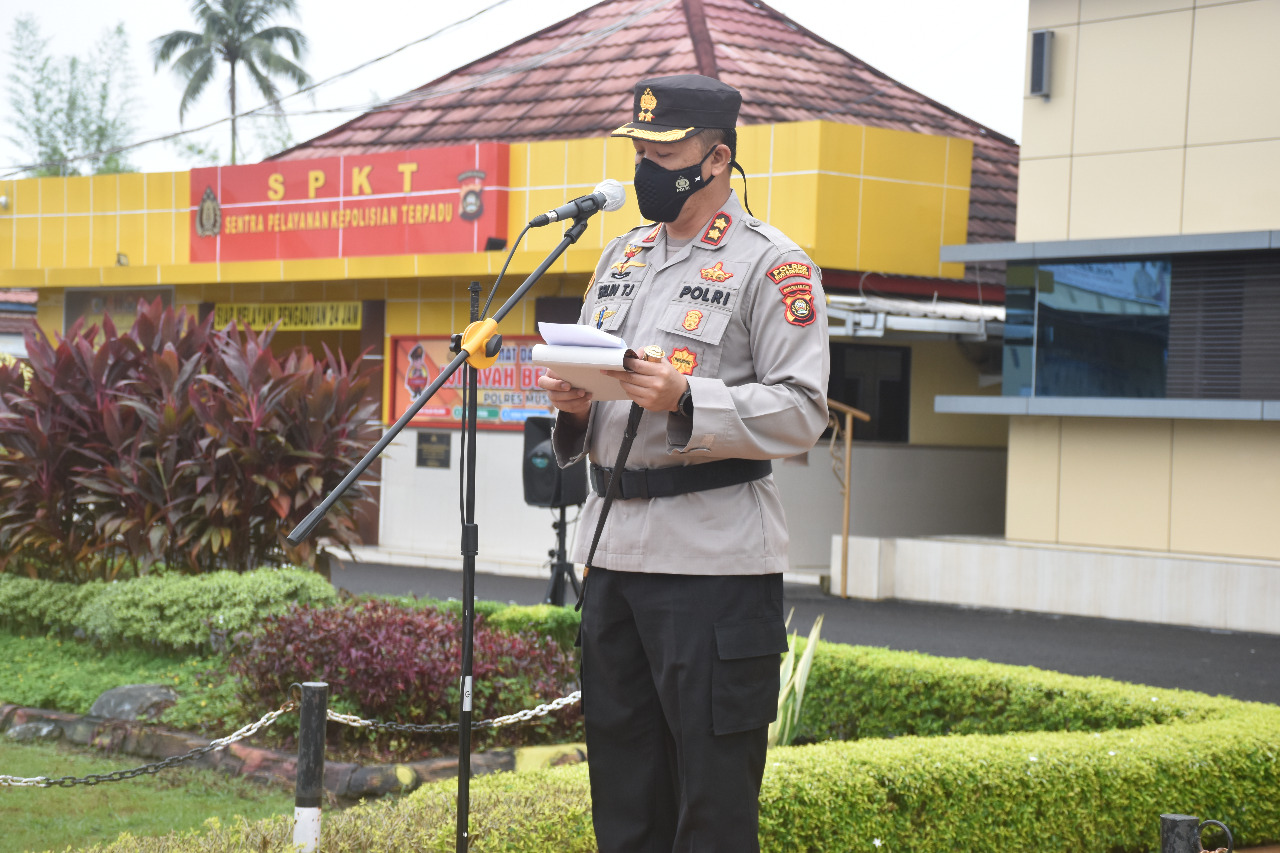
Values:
[(739, 310)]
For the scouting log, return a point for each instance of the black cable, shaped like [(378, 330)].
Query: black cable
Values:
[(498, 280)]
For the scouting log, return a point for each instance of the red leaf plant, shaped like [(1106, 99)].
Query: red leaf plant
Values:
[(174, 443), (389, 663)]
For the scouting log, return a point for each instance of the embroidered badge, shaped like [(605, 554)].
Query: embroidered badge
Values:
[(716, 230), (797, 301), (600, 316), (799, 308), (716, 273), (652, 235), (684, 361), (692, 320), (623, 268), (647, 104), (791, 269)]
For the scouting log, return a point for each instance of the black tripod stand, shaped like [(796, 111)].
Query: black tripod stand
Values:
[(561, 569)]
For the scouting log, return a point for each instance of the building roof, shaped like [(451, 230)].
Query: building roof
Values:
[(574, 79)]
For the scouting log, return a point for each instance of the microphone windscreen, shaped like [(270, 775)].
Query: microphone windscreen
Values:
[(615, 194)]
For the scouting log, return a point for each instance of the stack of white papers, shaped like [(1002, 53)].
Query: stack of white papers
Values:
[(578, 353)]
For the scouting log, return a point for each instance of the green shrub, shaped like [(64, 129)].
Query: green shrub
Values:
[(188, 612), (63, 675), (174, 612), (1061, 787), (547, 620), (860, 692)]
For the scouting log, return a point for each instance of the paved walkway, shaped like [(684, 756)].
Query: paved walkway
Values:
[(1240, 665)]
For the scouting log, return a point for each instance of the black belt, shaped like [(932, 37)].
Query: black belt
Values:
[(679, 480)]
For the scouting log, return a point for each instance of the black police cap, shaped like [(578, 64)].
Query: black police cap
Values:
[(667, 109)]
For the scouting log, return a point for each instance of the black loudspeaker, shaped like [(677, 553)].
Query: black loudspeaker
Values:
[(545, 483)]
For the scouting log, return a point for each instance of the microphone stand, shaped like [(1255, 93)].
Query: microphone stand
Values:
[(478, 346)]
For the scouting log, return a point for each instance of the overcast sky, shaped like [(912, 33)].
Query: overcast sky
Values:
[(966, 54)]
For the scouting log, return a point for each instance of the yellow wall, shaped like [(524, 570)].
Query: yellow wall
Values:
[(1207, 487), (941, 367), (1161, 120), (856, 198)]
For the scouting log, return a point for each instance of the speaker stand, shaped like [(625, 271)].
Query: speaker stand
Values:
[(560, 568)]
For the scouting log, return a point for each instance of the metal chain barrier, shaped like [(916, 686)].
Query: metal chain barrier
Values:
[(436, 728), (253, 728), (120, 775)]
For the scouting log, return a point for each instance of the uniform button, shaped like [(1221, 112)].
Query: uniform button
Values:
[(754, 223)]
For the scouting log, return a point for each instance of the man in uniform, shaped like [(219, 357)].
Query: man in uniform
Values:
[(682, 622)]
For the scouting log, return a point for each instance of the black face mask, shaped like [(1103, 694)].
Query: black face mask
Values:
[(661, 193)]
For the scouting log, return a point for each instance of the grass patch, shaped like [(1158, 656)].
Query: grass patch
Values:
[(178, 799)]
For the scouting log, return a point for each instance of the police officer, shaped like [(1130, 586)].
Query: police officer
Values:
[(682, 622)]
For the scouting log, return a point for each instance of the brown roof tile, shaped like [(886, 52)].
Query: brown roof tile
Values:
[(574, 79)]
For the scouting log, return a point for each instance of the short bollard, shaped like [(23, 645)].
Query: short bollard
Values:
[(309, 787), (1180, 833)]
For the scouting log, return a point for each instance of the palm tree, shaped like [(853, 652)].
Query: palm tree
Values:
[(234, 32)]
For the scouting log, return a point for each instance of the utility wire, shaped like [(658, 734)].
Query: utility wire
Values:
[(272, 109)]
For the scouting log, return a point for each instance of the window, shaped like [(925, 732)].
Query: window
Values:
[(1190, 327), (877, 380)]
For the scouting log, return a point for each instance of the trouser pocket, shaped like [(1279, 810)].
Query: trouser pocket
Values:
[(744, 675)]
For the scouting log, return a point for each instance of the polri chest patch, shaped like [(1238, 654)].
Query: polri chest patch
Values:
[(684, 360)]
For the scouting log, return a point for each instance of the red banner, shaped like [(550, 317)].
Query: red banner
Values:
[(508, 391), (425, 201)]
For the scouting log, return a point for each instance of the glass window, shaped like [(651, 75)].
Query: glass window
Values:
[(877, 380), (1087, 329)]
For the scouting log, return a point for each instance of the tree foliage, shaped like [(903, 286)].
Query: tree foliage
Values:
[(70, 115), (174, 443), (239, 33)]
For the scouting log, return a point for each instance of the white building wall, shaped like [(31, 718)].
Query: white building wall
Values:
[(898, 490)]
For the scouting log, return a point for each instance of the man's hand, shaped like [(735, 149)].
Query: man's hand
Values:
[(574, 402), (653, 385)]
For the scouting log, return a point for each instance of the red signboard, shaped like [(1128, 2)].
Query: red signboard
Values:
[(508, 391), (424, 201)]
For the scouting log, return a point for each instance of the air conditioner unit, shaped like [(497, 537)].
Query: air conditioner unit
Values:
[(1041, 56)]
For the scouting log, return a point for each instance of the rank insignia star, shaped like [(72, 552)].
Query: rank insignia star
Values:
[(716, 230)]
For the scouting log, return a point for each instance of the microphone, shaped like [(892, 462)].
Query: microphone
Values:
[(608, 195)]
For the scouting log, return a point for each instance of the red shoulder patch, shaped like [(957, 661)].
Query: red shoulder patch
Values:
[(652, 235), (791, 269), (799, 308)]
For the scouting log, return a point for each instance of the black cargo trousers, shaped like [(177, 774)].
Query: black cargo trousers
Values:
[(679, 684)]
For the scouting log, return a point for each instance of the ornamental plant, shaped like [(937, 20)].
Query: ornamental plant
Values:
[(174, 443), (395, 664)]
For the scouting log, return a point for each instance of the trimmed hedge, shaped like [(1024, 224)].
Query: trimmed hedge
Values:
[(547, 620), (179, 613), (1057, 788), (858, 692)]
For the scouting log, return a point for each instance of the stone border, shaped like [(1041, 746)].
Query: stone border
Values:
[(344, 780)]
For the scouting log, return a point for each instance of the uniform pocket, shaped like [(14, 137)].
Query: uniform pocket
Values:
[(744, 675)]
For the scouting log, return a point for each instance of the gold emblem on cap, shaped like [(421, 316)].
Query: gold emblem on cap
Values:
[(653, 353), (647, 103)]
